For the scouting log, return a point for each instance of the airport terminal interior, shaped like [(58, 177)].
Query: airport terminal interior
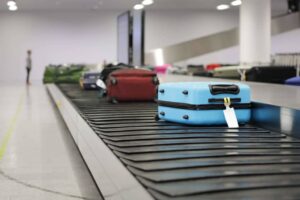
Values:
[(149, 99)]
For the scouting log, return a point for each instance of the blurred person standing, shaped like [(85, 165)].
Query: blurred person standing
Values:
[(28, 66)]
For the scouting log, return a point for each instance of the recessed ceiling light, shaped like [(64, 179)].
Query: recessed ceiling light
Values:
[(13, 8), (138, 6), (11, 3), (236, 3), (147, 2), (222, 7)]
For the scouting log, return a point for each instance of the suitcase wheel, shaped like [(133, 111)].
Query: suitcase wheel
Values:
[(162, 91), (114, 101), (114, 81), (185, 117), (185, 92), (156, 117)]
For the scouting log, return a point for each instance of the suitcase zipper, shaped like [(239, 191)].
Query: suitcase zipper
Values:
[(221, 100), (202, 106)]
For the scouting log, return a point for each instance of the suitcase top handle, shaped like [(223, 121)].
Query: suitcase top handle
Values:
[(224, 89), (133, 73)]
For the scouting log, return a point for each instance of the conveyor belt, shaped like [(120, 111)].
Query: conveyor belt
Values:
[(173, 161)]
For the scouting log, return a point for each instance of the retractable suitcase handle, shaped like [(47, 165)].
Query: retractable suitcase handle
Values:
[(224, 89)]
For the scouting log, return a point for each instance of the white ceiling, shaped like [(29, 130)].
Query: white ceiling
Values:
[(52, 5)]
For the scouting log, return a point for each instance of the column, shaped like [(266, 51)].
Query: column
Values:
[(255, 32)]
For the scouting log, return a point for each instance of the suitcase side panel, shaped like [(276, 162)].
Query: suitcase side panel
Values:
[(132, 89), (200, 117), (197, 93), (133, 73)]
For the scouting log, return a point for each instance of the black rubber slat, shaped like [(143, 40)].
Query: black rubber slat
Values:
[(180, 135), (217, 172), (188, 147), (211, 162), (278, 193), (166, 142), (161, 156), (187, 129), (216, 185)]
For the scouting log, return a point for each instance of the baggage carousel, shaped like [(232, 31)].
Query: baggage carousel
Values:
[(132, 156)]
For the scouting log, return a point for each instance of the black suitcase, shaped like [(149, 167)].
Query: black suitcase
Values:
[(270, 74), (195, 69), (205, 74), (108, 69)]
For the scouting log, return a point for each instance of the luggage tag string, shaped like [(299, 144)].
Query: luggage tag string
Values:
[(229, 114)]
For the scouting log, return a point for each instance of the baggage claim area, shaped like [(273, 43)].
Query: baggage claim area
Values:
[(165, 114)]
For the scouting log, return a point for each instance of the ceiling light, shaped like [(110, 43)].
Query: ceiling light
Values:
[(222, 7), (11, 3), (138, 6), (236, 3), (13, 8), (147, 2)]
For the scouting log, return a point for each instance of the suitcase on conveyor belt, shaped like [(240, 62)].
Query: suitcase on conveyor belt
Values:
[(210, 67), (108, 69), (230, 72), (204, 74), (270, 74), (195, 69), (293, 81), (202, 103), (88, 80), (131, 85)]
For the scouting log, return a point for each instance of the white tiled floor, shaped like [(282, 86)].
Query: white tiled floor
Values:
[(41, 160)]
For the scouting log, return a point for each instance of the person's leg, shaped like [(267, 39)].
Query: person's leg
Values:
[(27, 77)]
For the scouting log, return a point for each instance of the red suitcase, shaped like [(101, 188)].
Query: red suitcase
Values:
[(131, 85), (211, 67)]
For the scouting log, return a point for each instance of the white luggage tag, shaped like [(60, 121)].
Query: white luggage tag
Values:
[(229, 114), (101, 84)]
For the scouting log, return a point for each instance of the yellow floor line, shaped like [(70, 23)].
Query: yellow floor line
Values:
[(11, 128)]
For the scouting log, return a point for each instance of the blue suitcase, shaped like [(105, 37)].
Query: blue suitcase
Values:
[(202, 103), (293, 81), (88, 80)]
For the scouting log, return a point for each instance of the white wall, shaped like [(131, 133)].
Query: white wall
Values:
[(90, 37), (286, 42), (165, 28), (54, 37), (171, 27)]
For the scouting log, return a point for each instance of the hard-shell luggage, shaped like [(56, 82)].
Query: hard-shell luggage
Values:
[(270, 74), (202, 103), (162, 69), (192, 69), (293, 81), (230, 72), (210, 67), (131, 85), (204, 74), (180, 70), (108, 69), (88, 80)]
